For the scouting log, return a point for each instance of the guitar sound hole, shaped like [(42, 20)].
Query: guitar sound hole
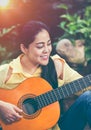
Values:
[(29, 106)]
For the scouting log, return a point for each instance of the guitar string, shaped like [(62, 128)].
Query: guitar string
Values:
[(64, 91)]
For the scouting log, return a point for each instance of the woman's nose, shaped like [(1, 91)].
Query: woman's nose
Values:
[(46, 49)]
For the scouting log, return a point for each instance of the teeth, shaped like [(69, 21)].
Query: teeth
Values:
[(45, 56)]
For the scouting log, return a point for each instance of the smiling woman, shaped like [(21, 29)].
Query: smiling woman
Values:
[(20, 110)]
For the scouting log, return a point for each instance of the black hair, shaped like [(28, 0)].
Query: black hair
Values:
[(49, 73), (27, 36), (30, 30)]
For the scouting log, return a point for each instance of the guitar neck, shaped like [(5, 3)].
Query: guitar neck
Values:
[(63, 91)]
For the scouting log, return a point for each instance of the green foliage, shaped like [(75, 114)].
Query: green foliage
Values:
[(4, 55), (5, 31), (7, 42), (2, 51), (77, 27)]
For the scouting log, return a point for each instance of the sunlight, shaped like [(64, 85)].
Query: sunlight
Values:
[(4, 3)]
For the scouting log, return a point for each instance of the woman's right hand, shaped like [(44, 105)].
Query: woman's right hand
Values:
[(9, 113)]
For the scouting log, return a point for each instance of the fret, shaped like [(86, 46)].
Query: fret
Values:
[(48, 97), (52, 96), (78, 85), (41, 102), (66, 90), (82, 83), (44, 100), (58, 93), (38, 99), (74, 89), (55, 95), (62, 91), (70, 89), (85, 82)]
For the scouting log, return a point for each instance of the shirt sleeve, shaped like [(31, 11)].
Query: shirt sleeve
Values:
[(70, 74)]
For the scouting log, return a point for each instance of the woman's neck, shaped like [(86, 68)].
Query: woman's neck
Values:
[(28, 66)]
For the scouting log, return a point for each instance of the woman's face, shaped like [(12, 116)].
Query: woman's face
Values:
[(39, 50)]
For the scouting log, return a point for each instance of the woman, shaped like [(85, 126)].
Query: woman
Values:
[(35, 61)]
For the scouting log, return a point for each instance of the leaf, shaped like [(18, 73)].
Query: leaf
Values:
[(63, 6)]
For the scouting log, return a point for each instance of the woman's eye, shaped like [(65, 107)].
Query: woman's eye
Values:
[(40, 46), (49, 44)]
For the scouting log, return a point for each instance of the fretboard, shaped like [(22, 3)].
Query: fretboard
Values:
[(63, 91)]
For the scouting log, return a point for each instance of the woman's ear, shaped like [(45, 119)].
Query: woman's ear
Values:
[(23, 48)]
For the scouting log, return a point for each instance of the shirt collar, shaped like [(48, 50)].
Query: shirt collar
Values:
[(16, 65)]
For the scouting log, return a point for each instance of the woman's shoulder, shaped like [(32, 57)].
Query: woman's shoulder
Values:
[(4, 67), (57, 57), (58, 60), (59, 64)]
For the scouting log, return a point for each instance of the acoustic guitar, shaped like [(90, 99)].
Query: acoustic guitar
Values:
[(39, 102)]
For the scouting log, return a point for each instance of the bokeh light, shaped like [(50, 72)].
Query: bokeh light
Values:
[(4, 3)]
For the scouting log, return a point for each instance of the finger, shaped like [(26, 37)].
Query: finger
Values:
[(17, 109), (11, 120), (14, 119), (8, 121), (18, 116)]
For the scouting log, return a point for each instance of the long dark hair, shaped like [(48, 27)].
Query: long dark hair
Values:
[(49, 73), (27, 36)]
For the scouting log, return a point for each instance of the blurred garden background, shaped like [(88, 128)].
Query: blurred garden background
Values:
[(67, 19)]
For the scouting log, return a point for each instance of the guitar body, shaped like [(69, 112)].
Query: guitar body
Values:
[(43, 118)]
